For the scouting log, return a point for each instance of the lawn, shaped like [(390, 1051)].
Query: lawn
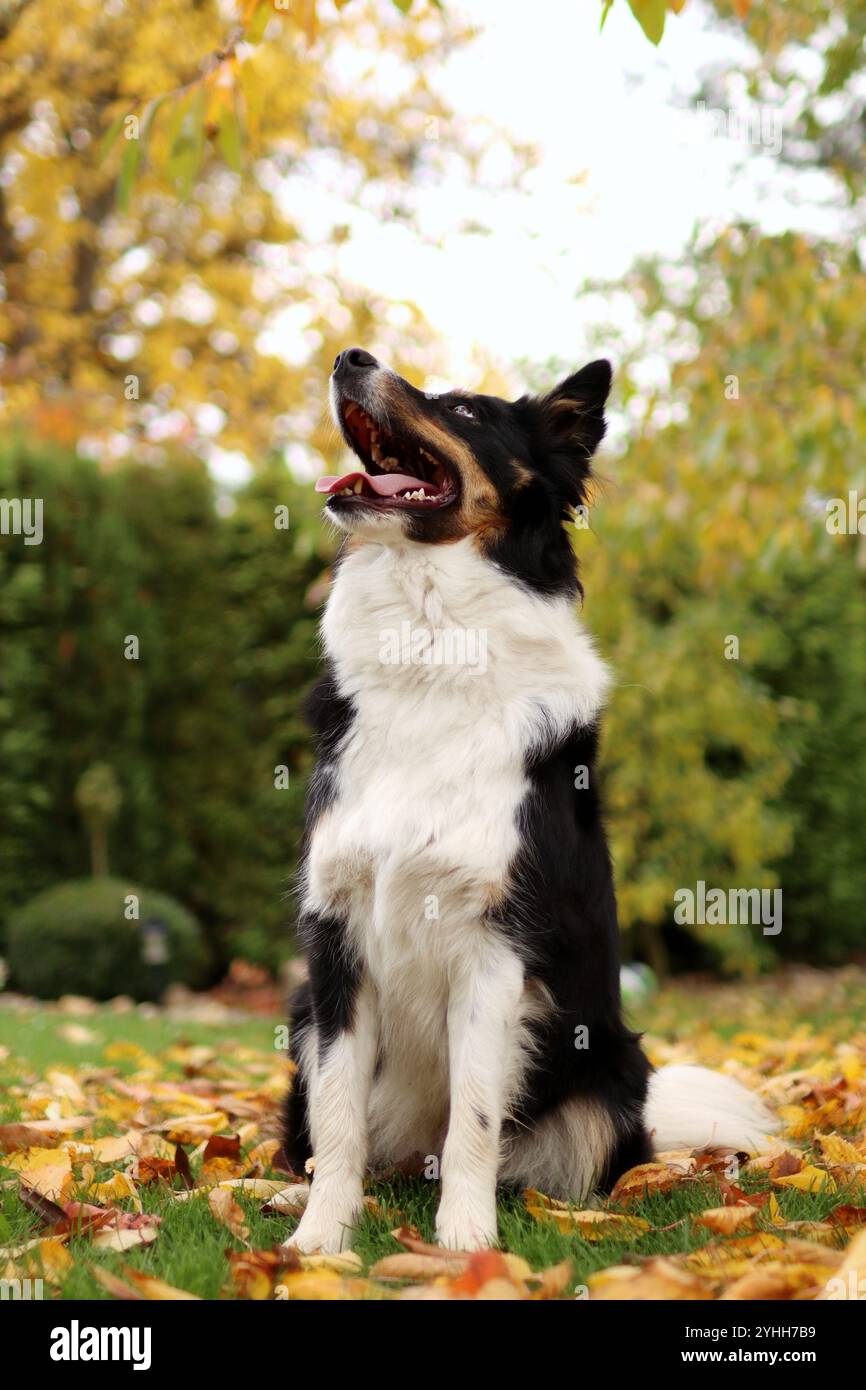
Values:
[(117, 1127)]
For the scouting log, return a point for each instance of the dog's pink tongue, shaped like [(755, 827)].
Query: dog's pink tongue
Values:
[(385, 484)]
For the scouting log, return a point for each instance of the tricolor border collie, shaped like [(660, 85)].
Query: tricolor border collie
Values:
[(458, 905)]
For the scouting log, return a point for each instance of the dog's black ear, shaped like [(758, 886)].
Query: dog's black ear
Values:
[(574, 410)]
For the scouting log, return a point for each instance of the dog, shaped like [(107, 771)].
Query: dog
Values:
[(457, 895)]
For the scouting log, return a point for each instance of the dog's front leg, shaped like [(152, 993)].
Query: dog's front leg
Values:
[(339, 1068), (482, 1024)]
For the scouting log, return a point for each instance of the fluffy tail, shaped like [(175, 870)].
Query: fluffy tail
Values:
[(691, 1107)]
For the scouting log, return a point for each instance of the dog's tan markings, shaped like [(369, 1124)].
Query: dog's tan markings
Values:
[(479, 501), (577, 409), (523, 475)]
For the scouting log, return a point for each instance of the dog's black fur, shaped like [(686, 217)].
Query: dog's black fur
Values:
[(560, 912)]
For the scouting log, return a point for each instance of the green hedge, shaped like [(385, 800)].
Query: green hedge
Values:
[(193, 728), (76, 938)]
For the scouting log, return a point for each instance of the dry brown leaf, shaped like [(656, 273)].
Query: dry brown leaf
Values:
[(646, 1179), (593, 1225), (264, 1188), (719, 1159), (501, 1290), (731, 1259), (848, 1281), (849, 1218), (222, 1146), (229, 1212), (110, 1149), (725, 1221), (289, 1200), (118, 1288), (785, 1165), (125, 1239), (265, 1152), (553, 1281), (323, 1284), (46, 1258), (657, 1278), (150, 1170), (410, 1239), (253, 1273), (54, 1127), (808, 1179), (409, 1266), (185, 1129), (48, 1212), (21, 1136), (820, 1231), (347, 1263), (51, 1181), (834, 1149), (775, 1281), (156, 1290)]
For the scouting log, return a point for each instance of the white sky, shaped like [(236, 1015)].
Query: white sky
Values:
[(651, 171), (626, 169)]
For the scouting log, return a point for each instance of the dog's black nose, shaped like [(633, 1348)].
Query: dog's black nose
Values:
[(353, 360)]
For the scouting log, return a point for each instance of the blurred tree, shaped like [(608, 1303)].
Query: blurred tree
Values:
[(807, 64), (98, 798), (720, 754), (150, 625), (652, 15), (155, 320), (747, 771)]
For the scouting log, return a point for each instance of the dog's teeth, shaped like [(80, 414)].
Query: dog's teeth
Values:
[(359, 485), (346, 492), (390, 463), (350, 410)]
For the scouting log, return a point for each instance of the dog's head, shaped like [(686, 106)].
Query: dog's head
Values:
[(440, 468)]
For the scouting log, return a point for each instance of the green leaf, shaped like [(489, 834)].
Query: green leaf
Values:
[(110, 136), (404, 6), (128, 170), (604, 14), (650, 15), (191, 147), (149, 112), (229, 138), (259, 23), (175, 127)]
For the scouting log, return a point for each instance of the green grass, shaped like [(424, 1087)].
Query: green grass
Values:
[(35, 1036), (190, 1252)]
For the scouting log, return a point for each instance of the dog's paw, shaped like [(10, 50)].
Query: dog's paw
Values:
[(324, 1239), (460, 1228), (328, 1222)]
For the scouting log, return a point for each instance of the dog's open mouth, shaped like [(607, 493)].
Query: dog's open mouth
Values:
[(398, 472)]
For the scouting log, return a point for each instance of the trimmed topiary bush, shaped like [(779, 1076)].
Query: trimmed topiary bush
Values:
[(77, 938)]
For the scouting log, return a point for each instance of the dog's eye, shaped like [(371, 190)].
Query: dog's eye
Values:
[(460, 408)]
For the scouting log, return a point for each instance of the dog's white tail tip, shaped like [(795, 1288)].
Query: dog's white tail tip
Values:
[(692, 1107)]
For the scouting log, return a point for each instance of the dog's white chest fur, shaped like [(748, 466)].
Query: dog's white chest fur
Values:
[(455, 673)]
